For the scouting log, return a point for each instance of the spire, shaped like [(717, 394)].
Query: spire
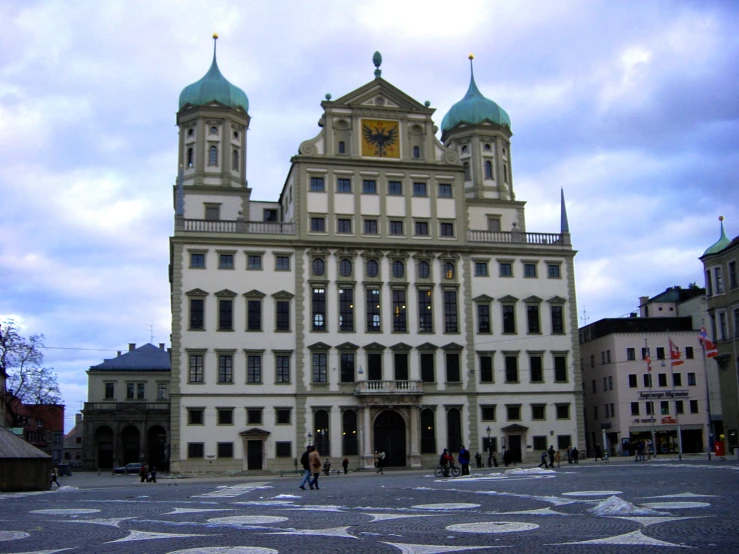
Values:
[(472, 91), (377, 60), (564, 224), (721, 243), (179, 209)]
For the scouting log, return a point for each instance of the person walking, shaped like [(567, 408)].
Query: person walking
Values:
[(314, 460), (575, 456), (569, 454), (54, 478), (345, 465), (464, 460), (598, 453), (495, 459), (305, 462), (639, 451), (444, 460), (327, 467), (143, 473), (152, 478), (543, 462), (557, 458), (506, 457), (551, 455), (381, 463), (478, 460)]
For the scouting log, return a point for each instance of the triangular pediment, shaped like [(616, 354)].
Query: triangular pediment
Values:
[(533, 300), (401, 346), (452, 346), (514, 428), (255, 432), (196, 292), (508, 299), (254, 294), (283, 294), (556, 300), (374, 346), (379, 94), (319, 346), (426, 346), (226, 293), (347, 346), (483, 298)]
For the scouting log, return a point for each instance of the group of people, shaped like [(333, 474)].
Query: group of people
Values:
[(550, 457), (380, 462), (148, 476)]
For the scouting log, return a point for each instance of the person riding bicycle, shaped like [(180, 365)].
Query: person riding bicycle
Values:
[(445, 461)]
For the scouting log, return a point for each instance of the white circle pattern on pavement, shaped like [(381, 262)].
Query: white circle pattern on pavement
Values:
[(492, 527), (12, 535), (449, 506), (248, 520), (592, 493), (66, 511), (227, 550), (675, 505)]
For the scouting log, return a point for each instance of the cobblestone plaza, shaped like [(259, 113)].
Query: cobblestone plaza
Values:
[(610, 507)]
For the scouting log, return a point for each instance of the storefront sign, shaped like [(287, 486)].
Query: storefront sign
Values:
[(644, 420), (668, 419), (663, 394)]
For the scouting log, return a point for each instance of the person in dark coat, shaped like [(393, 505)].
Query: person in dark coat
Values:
[(304, 461), (143, 473), (551, 455), (380, 463), (569, 454), (445, 460), (575, 455), (345, 465), (327, 467), (598, 453), (54, 479), (544, 457), (506, 457), (152, 478), (464, 460), (478, 460)]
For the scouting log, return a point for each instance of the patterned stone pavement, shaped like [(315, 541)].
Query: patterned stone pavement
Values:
[(617, 507)]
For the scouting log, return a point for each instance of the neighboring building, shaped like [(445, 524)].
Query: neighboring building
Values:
[(619, 402), (41, 425), (73, 442), (126, 416), (392, 299), (23, 467), (722, 291)]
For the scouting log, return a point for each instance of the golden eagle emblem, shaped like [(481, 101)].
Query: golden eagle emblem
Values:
[(380, 138)]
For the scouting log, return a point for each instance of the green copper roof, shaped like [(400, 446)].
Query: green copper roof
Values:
[(722, 242), (214, 87), (474, 108)]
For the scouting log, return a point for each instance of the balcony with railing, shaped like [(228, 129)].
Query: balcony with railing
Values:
[(388, 388), (518, 237), (234, 226), (117, 406)]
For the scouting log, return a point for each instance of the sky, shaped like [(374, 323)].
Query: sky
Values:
[(631, 107)]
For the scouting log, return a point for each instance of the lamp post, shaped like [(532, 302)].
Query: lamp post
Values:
[(310, 437), (490, 448)]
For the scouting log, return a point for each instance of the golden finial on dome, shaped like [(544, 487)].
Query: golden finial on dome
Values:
[(471, 57), (720, 218), (215, 36)]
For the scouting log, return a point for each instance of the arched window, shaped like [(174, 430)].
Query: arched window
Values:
[(505, 173), (372, 268), (488, 169), (449, 270), (486, 148), (454, 430), (466, 167), (424, 270), (235, 160), (428, 432), (350, 439), (321, 433), (342, 147), (416, 152), (236, 135), (214, 130), (190, 132), (345, 268), (190, 157), (213, 155), (398, 269), (464, 150), (318, 266)]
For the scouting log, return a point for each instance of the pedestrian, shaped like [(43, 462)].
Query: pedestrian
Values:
[(598, 453), (444, 460), (575, 455), (327, 467), (506, 457), (557, 457), (543, 462), (314, 461), (305, 462), (143, 473), (345, 465), (551, 455), (569, 454), (152, 478), (377, 458), (639, 451), (495, 459), (490, 456), (464, 460), (478, 460), (54, 478), (380, 463)]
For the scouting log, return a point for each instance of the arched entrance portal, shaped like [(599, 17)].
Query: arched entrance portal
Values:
[(156, 441), (131, 441), (389, 437), (103, 442)]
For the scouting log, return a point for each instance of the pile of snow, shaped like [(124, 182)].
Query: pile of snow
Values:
[(66, 488), (529, 471), (615, 506), (286, 496)]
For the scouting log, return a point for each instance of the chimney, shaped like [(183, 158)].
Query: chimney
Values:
[(119, 352), (643, 300), (131, 346), (77, 419), (161, 346)]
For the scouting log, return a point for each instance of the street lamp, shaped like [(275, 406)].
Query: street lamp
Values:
[(490, 449), (310, 437)]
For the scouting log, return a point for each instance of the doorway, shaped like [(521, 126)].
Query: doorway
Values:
[(514, 446), (389, 437), (254, 454)]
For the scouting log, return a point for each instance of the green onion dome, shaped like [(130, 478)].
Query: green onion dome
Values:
[(721, 243)]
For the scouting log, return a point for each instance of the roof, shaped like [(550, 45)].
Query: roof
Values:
[(635, 325), (144, 358), (678, 294), (721, 243), (15, 447)]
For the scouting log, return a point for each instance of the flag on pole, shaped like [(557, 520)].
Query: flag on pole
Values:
[(675, 354), (709, 347), (648, 359)]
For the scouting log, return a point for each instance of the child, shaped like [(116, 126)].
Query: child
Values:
[(557, 457)]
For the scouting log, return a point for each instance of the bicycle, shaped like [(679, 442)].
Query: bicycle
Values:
[(454, 471)]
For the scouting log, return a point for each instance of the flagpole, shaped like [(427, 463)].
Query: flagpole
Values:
[(651, 402), (674, 401), (708, 402)]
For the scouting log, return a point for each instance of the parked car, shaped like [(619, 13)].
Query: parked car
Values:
[(128, 468)]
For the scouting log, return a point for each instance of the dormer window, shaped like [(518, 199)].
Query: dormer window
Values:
[(342, 147), (190, 157), (190, 132), (214, 130), (213, 155)]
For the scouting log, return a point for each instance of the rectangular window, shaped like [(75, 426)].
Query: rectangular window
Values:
[(691, 379), (563, 411), (445, 190), (536, 369), (532, 313), (195, 416), (511, 369), (693, 406), (347, 367), (505, 269), (374, 367), (401, 366), (254, 368), (483, 318), (446, 229), (109, 391), (486, 368), (282, 263), (343, 185), (664, 407), (509, 319), (320, 370), (647, 379), (396, 227), (225, 261), (318, 224), (225, 315), (197, 260), (450, 311), (225, 369), (369, 186), (195, 449), (372, 309), (425, 312), (317, 184), (553, 271), (254, 315), (195, 373), (564, 441), (662, 380), (605, 384), (394, 188), (529, 270), (558, 326), (225, 450), (318, 301), (254, 261), (608, 356), (719, 280), (560, 369), (282, 416), (346, 309), (487, 413), (660, 352), (399, 311), (538, 411), (452, 368), (344, 225), (269, 214), (689, 353), (481, 269), (644, 353), (225, 416), (427, 368), (283, 449), (631, 354), (709, 285), (282, 315), (514, 412), (677, 379), (282, 368), (130, 391), (632, 381), (254, 416), (370, 226), (732, 276), (634, 408), (679, 407), (610, 382), (422, 228), (539, 442), (419, 189)]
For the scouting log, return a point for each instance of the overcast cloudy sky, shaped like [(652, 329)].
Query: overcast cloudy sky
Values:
[(631, 107)]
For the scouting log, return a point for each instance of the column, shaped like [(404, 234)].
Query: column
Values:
[(415, 458), (367, 452)]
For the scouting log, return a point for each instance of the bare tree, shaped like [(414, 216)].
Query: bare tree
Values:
[(22, 360)]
